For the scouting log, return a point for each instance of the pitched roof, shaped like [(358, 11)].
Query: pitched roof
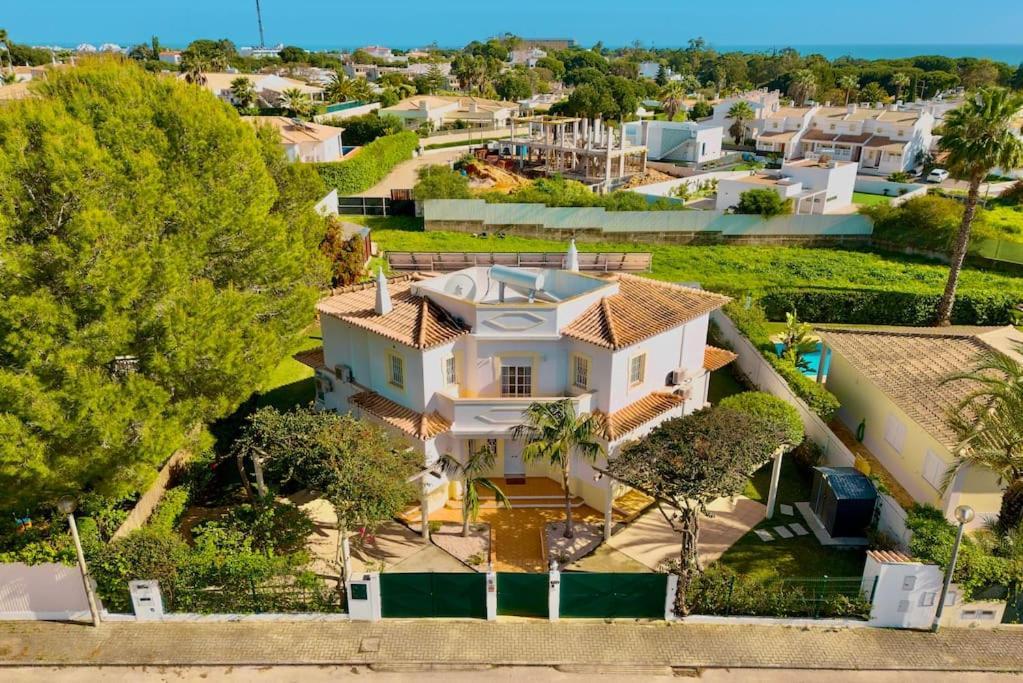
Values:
[(634, 416), (420, 425), (715, 358), (311, 357), (294, 133), (462, 103), (891, 557), (911, 366), (413, 320)]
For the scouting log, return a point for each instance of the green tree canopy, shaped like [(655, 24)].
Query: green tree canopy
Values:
[(157, 256), (764, 202), (440, 182)]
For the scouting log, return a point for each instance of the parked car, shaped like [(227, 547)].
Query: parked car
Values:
[(938, 175)]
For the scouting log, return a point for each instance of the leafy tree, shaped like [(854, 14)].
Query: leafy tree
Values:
[(978, 136), (590, 101), (701, 110), (686, 463), (430, 82), (873, 92), (290, 54), (243, 92), (1017, 78), (776, 413), (741, 113), (362, 470), (763, 202), (850, 84), (147, 284), (194, 67), (802, 86), (554, 433), (901, 81), (5, 42), (346, 254), (471, 474), (557, 67), (216, 53), (513, 85), (440, 182), (989, 422), (362, 130)]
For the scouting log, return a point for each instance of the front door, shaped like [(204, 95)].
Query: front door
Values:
[(514, 465)]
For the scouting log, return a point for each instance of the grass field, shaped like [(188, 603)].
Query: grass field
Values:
[(864, 199), (727, 268)]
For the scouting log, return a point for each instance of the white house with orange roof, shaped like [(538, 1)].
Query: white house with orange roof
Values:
[(452, 361), (304, 140), (268, 87), (438, 110)]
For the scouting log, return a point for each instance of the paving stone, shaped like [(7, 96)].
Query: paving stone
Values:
[(764, 535), (798, 529), (783, 531), (787, 509)]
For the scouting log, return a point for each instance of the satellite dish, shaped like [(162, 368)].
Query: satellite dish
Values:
[(461, 286)]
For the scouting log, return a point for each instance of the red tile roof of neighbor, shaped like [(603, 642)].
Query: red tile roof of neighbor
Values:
[(715, 358), (642, 309), (891, 557), (311, 357), (634, 416), (420, 425)]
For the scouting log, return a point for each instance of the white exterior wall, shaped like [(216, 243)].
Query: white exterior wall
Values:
[(46, 591), (729, 191), (903, 595), (839, 182)]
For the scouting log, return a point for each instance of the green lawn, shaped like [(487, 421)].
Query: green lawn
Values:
[(864, 199), (1006, 220), (800, 556), (722, 267), (722, 385)]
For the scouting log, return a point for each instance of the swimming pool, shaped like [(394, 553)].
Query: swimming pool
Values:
[(813, 359)]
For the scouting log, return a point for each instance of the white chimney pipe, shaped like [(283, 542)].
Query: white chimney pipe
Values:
[(383, 303)]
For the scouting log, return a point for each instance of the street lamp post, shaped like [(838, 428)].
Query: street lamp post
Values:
[(963, 515), (67, 505)]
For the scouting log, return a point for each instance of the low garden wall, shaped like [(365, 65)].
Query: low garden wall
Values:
[(153, 495), (899, 192), (47, 591)]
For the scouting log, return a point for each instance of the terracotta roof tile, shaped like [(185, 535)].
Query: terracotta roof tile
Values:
[(715, 358), (311, 357), (420, 425), (413, 320), (891, 557), (642, 309), (634, 416)]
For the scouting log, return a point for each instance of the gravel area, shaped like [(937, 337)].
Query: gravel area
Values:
[(563, 550), (472, 550)]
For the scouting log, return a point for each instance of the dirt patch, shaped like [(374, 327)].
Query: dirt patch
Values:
[(586, 537), (473, 550)]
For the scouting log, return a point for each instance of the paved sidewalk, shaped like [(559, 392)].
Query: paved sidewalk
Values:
[(459, 643)]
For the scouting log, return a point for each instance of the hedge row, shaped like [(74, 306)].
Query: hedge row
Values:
[(888, 307), (751, 321), (370, 164)]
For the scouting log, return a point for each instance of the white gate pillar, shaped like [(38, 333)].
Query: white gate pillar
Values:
[(364, 597), (491, 594), (554, 593), (669, 598), (772, 494)]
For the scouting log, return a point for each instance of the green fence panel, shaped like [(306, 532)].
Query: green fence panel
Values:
[(522, 595), (617, 595), (433, 594)]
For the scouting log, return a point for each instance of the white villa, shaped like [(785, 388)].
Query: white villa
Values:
[(304, 140), (880, 139), (269, 87), (688, 141), (438, 110), (815, 187), (451, 361)]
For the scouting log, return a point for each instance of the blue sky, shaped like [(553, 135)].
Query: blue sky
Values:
[(329, 23)]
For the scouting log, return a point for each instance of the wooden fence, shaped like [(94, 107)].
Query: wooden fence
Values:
[(443, 261)]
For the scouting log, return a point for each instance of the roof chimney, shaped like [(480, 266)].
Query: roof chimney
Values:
[(572, 259), (383, 304)]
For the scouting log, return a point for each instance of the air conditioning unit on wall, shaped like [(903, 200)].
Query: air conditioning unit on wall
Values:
[(344, 373), (680, 377)]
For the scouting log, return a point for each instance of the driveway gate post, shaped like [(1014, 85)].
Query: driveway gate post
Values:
[(669, 598), (491, 594), (554, 593), (364, 602)]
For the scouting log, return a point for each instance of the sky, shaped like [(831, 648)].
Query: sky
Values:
[(452, 23)]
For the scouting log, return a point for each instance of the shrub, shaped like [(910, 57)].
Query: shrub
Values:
[(764, 203), (782, 416), (1013, 195), (807, 455), (169, 510), (899, 177), (272, 526), (346, 255), (441, 182), (370, 164), (142, 554), (362, 130)]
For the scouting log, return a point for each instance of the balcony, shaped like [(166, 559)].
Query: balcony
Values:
[(496, 415)]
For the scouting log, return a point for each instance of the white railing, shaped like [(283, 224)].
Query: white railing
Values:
[(496, 414), (753, 364)]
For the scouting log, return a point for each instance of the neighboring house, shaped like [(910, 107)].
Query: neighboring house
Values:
[(34, 73), (686, 141), (651, 69), (761, 101), (451, 362), (893, 383), (528, 56), (304, 140), (261, 52), (268, 86), (880, 139), (438, 110), (170, 56), (381, 52), (540, 103), (814, 188)]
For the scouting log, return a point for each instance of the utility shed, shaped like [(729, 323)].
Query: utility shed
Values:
[(843, 498)]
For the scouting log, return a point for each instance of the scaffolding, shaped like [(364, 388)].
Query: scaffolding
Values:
[(591, 152)]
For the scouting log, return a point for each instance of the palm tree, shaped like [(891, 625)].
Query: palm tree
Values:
[(243, 92), (989, 422), (471, 474), (848, 83), (296, 102), (552, 431), (900, 81), (5, 43), (802, 86), (673, 97), (195, 68), (341, 88), (740, 113), (978, 137), (797, 341)]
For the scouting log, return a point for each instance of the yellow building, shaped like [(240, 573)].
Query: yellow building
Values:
[(895, 395)]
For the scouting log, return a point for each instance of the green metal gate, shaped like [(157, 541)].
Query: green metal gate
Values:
[(522, 595), (433, 594), (613, 595)]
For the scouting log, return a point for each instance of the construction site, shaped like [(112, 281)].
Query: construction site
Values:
[(591, 152)]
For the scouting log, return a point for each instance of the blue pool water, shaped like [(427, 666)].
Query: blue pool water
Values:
[(813, 359)]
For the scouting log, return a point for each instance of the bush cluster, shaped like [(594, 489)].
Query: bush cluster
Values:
[(772, 409), (370, 164)]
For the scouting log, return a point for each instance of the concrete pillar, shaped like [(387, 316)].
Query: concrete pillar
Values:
[(608, 511), (424, 512), (491, 594), (554, 594), (825, 352), (364, 602), (772, 495), (669, 598)]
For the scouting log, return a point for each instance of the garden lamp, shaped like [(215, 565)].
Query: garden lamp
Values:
[(964, 515), (66, 505)]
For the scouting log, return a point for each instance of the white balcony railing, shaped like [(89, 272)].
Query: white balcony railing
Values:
[(496, 415)]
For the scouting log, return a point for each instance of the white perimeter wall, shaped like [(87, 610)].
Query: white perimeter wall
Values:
[(42, 591)]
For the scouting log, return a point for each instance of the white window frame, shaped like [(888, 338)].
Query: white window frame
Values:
[(395, 362), (641, 357), (934, 469), (580, 362), (895, 433), (450, 370)]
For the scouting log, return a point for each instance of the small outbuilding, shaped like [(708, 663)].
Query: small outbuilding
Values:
[(843, 498)]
